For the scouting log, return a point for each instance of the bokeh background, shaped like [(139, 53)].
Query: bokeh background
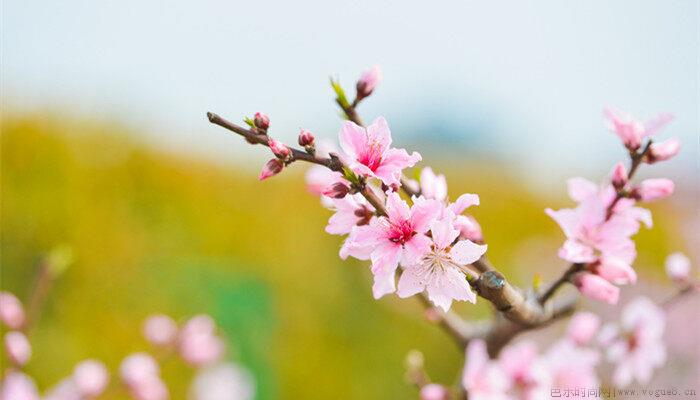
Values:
[(106, 150)]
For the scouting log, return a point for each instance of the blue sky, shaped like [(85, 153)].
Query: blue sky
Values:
[(522, 80)]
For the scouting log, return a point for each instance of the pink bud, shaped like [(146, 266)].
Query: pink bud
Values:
[(279, 149), (597, 288), (199, 344), (271, 168), (678, 267), (626, 128), (152, 388), (433, 391), (583, 327), (337, 190), (17, 347), (11, 311), (469, 228), (138, 368), (663, 151), (160, 330), (619, 176), (91, 378), (368, 81), (261, 121), (306, 138), (654, 189), (18, 386)]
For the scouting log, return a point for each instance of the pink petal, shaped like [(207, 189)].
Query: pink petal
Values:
[(397, 210), (423, 212), (616, 271), (567, 218), (393, 162), (379, 133), (576, 252), (447, 286), (385, 258), (581, 189), (597, 288), (415, 249), (433, 186), (466, 252), (583, 327), (443, 232), (353, 139), (657, 123), (383, 284), (413, 280), (463, 202)]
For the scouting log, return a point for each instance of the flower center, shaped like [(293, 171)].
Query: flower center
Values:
[(372, 156), (401, 232)]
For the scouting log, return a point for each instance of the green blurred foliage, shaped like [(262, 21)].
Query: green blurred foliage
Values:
[(156, 232)]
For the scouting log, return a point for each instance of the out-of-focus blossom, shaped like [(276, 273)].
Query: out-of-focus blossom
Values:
[(160, 330), (11, 310), (636, 346), (483, 378), (350, 211), (368, 152), (261, 121), (225, 381), (199, 344), (527, 372), (141, 374), (597, 288), (631, 131), (433, 186), (434, 391), (271, 168), (400, 236), (678, 267), (654, 189), (279, 149), (469, 228), (17, 347), (319, 178), (438, 272), (583, 327), (91, 378), (64, 390), (571, 367), (619, 176), (368, 81), (337, 190), (663, 151), (18, 386)]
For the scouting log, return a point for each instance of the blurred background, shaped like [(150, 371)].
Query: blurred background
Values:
[(106, 150)]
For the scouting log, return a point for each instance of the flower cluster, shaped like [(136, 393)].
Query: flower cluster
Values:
[(599, 229)]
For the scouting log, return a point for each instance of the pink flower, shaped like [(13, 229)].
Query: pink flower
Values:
[(141, 374), (663, 151), (483, 379), (91, 378), (636, 346), (261, 121), (17, 348), (571, 367), (199, 344), (400, 236), (368, 81), (527, 372), (18, 386), (433, 186), (11, 310), (678, 267), (438, 272), (654, 189), (619, 176), (630, 131), (271, 168), (434, 391), (223, 381), (350, 211), (279, 149), (368, 152), (597, 288), (160, 330), (469, 228), (583, 327)]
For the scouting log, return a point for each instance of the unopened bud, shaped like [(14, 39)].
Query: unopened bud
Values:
[(653, 189), (271, 168), (368, 81), (337, 190), (17, 348), (434, 391), (306, 138), (663, 151), (595, 287), (619, 176), (261, 121), (678, 267), (279, 149)]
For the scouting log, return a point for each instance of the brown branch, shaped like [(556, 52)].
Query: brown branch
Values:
[(460, 330), (680, 294)]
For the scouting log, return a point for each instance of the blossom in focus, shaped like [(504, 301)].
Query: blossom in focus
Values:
[(663, 151), (654, 189), (482, 377), (631, 131), (528, 374), (367, 152), (160, 330), (91, 378), (141, 374), (11, 310), (17, 348), (271, 168), (678, 267), (350, 211), (306, 138), (398, 237), (438, 272), (261, 121), (434, 391), (597, 288), (368, 81), (636, 345), (433, 186), (583, 327), (279, 149), (18, 386), (199, 344), (226, 381)]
